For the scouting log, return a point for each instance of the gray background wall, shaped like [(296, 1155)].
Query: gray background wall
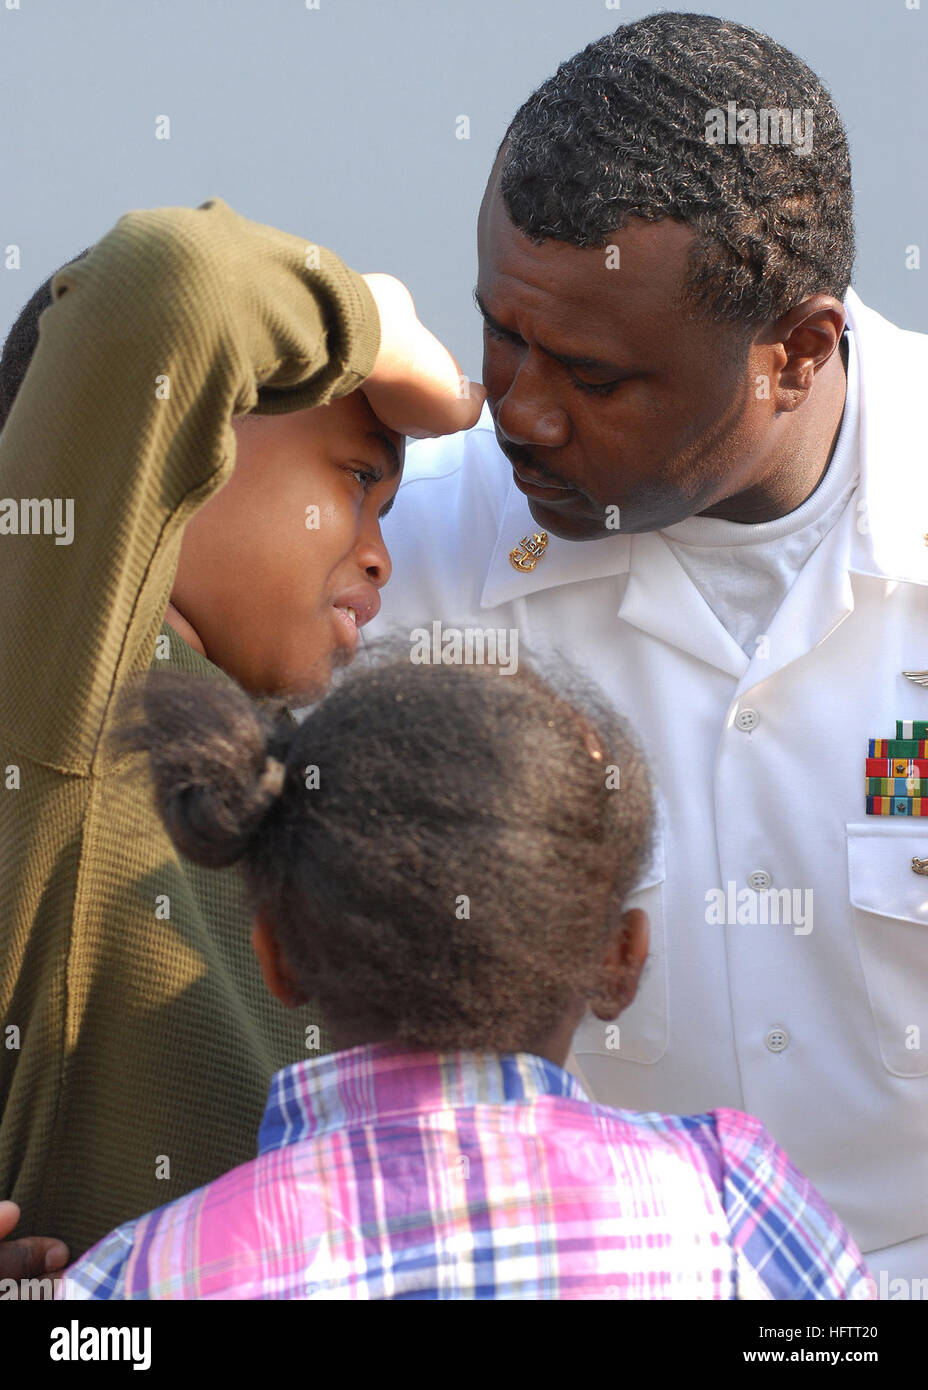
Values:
[(338, 124)]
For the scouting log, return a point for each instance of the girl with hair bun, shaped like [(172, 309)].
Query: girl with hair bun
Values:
[(440, 859)]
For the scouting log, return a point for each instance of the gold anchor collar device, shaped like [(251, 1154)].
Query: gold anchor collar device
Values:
[(529, 551)]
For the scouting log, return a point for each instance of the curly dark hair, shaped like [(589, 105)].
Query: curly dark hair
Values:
[(452, 879), (619, 131)]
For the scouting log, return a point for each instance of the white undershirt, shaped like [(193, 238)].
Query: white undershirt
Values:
[(745, 571)]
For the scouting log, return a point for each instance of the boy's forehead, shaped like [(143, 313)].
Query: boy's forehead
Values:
[(390, 445), (355, 416), (349, 420)]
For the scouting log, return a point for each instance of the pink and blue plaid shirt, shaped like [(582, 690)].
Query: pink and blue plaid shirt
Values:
[(396, 1174)]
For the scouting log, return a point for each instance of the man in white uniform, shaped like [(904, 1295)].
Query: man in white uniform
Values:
[(701, 475)]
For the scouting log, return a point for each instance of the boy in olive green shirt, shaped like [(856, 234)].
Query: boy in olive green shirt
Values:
[(139, 1040)]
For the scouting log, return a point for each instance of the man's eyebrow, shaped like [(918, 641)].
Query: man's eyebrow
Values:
[(506, 332), (589, 364), (389, 448)]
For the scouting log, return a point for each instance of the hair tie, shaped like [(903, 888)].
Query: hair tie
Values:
[(271, 781), (592, 746)]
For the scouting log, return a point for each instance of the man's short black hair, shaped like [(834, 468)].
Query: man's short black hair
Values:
[(620, 131)]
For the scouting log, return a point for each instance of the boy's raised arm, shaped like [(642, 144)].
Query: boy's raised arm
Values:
[(175, 321)]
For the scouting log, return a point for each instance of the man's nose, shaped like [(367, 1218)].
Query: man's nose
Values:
[(524, 415)]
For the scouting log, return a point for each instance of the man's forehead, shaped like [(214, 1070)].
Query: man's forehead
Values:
[(639, 272)]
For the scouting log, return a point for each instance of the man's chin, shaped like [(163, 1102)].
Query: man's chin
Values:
[(568, 528), (591, 528)]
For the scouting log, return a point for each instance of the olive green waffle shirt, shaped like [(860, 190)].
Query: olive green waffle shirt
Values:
[(137, 1037)]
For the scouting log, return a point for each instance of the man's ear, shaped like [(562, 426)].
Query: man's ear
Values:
[(274, 968), (806, 337), (622, 964)]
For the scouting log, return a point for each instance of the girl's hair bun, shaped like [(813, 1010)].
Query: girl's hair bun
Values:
[(210, 751)]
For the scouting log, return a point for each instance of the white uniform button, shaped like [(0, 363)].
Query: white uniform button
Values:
[(747, 719), (759, 880), (777, 1039)]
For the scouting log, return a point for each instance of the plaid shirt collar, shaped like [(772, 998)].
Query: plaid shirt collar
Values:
[(367, 1085)]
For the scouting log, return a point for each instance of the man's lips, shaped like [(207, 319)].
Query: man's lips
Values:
[(533, 486), (542, 494)]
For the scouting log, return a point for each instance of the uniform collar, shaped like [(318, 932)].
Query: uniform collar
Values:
[(564, 562), (888, 532), (367, 1085)]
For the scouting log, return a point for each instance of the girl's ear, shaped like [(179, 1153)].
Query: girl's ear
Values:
[(623, 962), (273, 966)]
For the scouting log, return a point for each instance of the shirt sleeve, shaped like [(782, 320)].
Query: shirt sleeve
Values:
[(787, 1242), (177, 319), (101, 1272)]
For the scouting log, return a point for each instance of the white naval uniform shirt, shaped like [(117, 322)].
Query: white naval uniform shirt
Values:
[(760, 765)]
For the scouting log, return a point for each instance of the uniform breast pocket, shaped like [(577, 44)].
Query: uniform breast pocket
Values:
[(889, 906), (640, 1033)]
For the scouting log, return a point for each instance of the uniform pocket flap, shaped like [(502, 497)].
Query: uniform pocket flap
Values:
[(880, 873)]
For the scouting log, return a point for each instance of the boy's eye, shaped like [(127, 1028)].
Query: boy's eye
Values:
[(366, 476)]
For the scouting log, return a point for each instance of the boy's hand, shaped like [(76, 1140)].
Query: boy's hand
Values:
[(416, 386), (29, 1258)]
